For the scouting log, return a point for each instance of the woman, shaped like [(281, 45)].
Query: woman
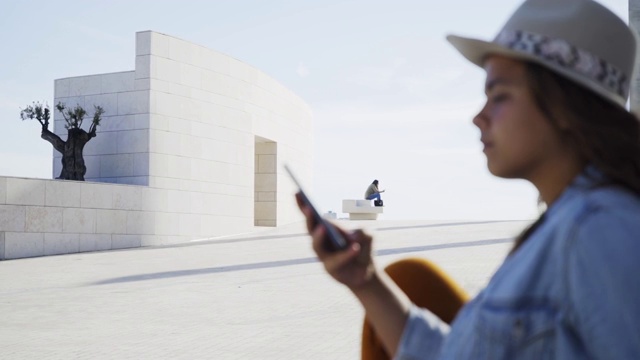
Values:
[(372, 192), (557, 78)]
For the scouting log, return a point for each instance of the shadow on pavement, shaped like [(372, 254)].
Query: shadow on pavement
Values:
[(393, 228), (291, 262), (285, 236)]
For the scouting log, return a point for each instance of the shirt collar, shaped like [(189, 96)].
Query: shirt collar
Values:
[(587, 179)]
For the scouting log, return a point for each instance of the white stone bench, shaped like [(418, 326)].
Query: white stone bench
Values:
[(361, 209)]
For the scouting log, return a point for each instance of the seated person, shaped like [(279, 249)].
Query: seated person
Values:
[(372, 192)]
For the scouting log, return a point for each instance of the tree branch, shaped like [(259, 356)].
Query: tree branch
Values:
[(97, 116), (54, 139)]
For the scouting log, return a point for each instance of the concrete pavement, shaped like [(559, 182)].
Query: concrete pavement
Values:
[(253, 296)]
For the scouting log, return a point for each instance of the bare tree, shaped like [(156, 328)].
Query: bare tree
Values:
[(73, 167)]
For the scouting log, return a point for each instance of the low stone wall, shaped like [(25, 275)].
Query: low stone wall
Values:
[(48, 217)]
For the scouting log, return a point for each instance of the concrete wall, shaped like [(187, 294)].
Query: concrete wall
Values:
[(49, 217), (180, 130)]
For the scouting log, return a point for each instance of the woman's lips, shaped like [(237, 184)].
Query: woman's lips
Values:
[(487, 144)]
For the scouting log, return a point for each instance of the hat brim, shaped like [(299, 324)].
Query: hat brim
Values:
[(476, 51)]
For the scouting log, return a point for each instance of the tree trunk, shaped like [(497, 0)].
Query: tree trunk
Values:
[(73, 167)]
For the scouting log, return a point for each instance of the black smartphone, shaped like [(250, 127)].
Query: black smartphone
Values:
[(335, 241)]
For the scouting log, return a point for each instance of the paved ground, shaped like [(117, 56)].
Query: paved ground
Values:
[(253, 296)]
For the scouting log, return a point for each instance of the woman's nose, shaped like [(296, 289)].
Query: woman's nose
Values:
[(480, 120)]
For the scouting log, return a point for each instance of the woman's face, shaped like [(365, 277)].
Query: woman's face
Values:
[(519, 141)]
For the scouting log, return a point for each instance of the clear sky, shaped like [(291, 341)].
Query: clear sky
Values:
[(391, 99)]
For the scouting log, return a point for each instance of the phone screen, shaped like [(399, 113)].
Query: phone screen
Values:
[(335, 241)]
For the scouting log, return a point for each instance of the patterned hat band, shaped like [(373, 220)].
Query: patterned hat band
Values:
[(561, 53)]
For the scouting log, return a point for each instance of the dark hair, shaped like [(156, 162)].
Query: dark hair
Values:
[(604, 134), (375, 182)]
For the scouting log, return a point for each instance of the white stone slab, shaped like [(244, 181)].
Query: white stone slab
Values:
[(22, 245), (96, 196), (109, 180), (191, 76), (111, 222), (142, 121), (215, 82), (43, 219), (146, 66), (159, 44), (62, 193), (158, 164), (56, 167), (116, 123), (266, 182), (167, 223), (143, 42), (166, 105), (267, 164), (79, 220), (134, 180), (117, 82), (133, 141), (133, 102), (179, 167), (141, 165), (176, 239), (265, 210), (125, 241), (116, 165), (239, 70), (1, 245), (154, 199), (140, 222), (61, 87), (85, 85), (180, 126), (94, 242), (142, 84), (179, 201), (213, 60), (164, 183), (181, 51), (25, 191), (57, 244), (3, 190), (266, 196), (92, 163), (265, 222), (199, 203), (108, 102), (167, 70), (191, 146), (105, 143), (153, 240), (127, 197), (190, 224)]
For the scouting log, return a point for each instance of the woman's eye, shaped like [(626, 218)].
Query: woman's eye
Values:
[(498, 98)]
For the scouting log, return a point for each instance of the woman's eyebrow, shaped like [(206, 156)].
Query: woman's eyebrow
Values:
[(496, 81)]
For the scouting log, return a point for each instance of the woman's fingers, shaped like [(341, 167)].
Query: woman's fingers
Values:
[(319, 237), (364, 240), (308, 213)]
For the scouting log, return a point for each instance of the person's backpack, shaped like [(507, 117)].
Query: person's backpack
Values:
[(377, 202)]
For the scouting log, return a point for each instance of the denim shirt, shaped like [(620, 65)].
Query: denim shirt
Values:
[(571, 291)]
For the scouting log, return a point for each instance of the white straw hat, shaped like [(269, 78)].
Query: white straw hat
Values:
[(578, 39)]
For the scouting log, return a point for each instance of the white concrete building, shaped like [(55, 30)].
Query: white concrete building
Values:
[(192, 145)]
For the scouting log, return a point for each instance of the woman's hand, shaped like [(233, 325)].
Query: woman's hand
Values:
[(352, 266), (386, 306)]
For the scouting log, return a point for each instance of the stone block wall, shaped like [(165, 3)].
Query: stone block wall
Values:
[(174, 158)]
